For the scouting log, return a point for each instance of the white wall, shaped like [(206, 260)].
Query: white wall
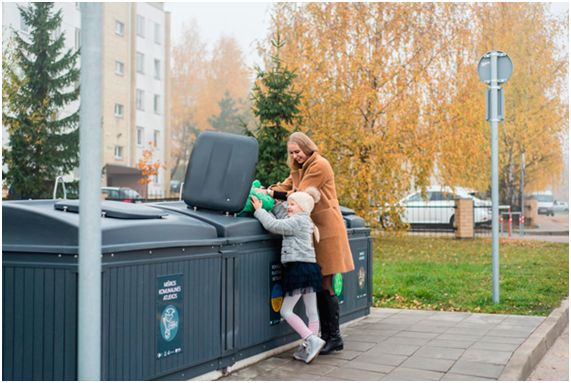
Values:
[(148, 119)]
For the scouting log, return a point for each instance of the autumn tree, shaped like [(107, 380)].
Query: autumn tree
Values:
[(276, 107), (203, 80), (227, 77), (393, 99), (188, 74), (536, 109), (367, 72), (38, 81)]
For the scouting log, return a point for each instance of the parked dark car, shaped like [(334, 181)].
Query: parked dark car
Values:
[(120, 194)]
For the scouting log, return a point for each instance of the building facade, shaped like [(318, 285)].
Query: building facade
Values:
[(135, 86)]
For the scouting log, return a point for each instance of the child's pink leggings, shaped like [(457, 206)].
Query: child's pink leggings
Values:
[(295, 321)]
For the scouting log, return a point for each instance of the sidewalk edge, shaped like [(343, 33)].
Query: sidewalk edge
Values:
[(530, 353)]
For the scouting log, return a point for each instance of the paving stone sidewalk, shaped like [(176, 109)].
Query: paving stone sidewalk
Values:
[(393, 344)]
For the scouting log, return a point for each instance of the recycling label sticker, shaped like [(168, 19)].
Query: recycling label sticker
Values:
[(338, 287), (169, 315), (361, 267), (276, 293)]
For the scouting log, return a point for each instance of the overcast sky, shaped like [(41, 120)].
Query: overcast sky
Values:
[(247, 22)]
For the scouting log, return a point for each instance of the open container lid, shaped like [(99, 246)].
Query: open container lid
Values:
[(220, 172)]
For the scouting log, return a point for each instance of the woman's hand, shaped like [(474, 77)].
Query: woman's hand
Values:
[(265, 191), (256, 203)]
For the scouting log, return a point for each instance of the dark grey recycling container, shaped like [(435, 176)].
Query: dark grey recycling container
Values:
[(356, 294), (140, 245), (216, 272)]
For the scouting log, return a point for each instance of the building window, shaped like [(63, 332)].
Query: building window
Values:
[(156, 136), (56, 33), (157, 33), (119, 110), (140, 26), (157, 69), (140, 136), (23, 26), (118, 152), (119, 68), (77, 38), (157, 104), (140, 63), (140, 99), (119, 28)]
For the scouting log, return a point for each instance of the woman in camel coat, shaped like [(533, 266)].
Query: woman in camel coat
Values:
[(333, 254)]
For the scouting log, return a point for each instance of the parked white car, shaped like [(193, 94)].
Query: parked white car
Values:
[(544, 202), (438, 208), (559, 206)]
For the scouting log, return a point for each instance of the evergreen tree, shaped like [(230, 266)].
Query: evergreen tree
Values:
[(229, 118), (37, 80), (276, 105)]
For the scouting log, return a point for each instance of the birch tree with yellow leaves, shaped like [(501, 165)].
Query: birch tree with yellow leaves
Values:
[(536, 108), (392, 97), (202, 80), (368, 74)]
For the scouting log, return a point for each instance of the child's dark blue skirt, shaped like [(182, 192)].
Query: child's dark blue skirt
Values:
[(301, 276)]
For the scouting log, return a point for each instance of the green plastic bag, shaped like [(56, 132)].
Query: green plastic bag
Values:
[(267, 201)]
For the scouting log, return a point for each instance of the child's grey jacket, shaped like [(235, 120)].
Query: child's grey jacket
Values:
[(297, 231)]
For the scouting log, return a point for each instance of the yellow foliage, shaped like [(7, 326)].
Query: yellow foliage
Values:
[(146, 165), (392, 97), (200, 79), (368, 73)]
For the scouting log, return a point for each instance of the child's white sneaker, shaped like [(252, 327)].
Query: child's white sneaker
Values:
[(301, 352), (314, 345)]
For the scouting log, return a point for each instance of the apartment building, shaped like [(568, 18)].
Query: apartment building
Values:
[(136, 73)]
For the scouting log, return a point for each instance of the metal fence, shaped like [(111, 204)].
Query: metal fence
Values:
[(440, 220), (161, 197), (482, 221), (430, 220)]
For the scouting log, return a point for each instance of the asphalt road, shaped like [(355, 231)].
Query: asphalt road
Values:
[(555, 364)]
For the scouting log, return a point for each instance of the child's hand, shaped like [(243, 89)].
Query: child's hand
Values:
[(256, 203)]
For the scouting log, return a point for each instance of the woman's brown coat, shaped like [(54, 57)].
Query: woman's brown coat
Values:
[(332, 251)]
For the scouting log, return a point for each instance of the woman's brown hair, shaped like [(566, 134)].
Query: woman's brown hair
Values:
[(307, 146)]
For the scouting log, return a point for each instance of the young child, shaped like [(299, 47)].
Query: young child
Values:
[(301, 276)]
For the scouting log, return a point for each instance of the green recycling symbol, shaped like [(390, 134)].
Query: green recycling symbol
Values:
[(338, 284)]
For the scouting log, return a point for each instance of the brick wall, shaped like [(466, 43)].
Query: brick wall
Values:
[(530, 212), (464, 218)]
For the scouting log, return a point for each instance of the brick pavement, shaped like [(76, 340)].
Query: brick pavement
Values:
[(393, 344)]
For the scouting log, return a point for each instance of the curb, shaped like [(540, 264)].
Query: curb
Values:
[(530, 353), (554, 233)]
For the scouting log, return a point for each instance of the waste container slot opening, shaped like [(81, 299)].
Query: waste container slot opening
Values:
[(113, 209)]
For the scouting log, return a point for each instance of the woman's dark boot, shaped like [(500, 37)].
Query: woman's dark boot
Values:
[(331, 317), (323, 313)]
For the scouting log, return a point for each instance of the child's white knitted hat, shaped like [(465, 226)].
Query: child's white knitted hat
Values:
[(306, 199)]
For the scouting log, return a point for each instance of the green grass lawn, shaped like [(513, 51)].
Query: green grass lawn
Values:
[(437, 273)]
